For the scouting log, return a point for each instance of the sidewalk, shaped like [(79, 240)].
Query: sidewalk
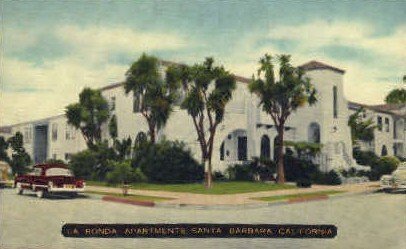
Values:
[(183, 199)]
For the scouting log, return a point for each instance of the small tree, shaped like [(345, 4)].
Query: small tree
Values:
[(280, 97), (361, 129), (3, 150), (397, 96), (88, 115), (208, 90), (153, 97), (19, 158)]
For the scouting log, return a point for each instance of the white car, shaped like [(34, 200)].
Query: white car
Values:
[(395, 181)]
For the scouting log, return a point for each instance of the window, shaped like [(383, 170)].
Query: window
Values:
[(70, 133), (222, 152), (242, 148), (68, 156), (54, 156), (54, 132), (136, 103), (335, 103), (27, 134), (384, 151), (379, 123), (314, 133), (113, 103), (265, 147), (387, 124)]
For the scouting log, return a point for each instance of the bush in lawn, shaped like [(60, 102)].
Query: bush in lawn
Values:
[(298, 169), (82, 164), (383, 166), (304, 183), (241, 172), (167, 162), (366, 158), (93, 164), (264, 168), (123, 173), (219, 176), (330, 178)]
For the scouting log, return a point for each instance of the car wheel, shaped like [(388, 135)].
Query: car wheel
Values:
[(40, 193), (19, 189)]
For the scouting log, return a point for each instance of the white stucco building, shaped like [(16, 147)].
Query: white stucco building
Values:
[(390, 134), (246, 131)]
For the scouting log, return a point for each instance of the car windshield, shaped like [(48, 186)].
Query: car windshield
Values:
[(58, 172)]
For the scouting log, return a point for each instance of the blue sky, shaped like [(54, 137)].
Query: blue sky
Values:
[(51, 50)]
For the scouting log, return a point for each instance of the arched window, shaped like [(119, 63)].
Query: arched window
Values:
[(384, 151), (222, 152), (141, 138), (314, 133), (265, 147)]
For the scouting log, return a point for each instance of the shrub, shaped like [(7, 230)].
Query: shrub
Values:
[(83, 163), (296, 168), (367, 158), (265, 168), (304, 183), (383, 166), (167, 161), (330, 178), (219, 176), (241, 172), (93, 164), (123, 173)]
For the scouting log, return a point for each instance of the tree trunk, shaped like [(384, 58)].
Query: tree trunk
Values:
[(152, 133), (281, 170), (208, 180)]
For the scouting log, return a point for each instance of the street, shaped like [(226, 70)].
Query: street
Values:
[(375, 220)]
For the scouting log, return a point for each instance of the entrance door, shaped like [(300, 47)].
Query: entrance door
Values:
[(40, 143), (242, 148)]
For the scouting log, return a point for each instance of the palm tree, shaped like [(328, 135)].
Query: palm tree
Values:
[(153, 96), (280, 97), (208, 90)]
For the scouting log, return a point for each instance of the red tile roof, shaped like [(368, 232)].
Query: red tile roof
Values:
[(316, 65), (396, 109)]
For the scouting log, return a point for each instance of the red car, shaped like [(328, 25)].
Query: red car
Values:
[(49, 178)]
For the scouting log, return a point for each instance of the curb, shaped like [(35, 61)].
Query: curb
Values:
[(229, 206), (128, 201)]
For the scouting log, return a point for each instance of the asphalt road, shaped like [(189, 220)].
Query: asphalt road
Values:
[(364, 221)]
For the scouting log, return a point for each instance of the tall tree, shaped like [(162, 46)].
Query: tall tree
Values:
[(19, 158), (397, 96), (153, 96), (281, 95), (208, 90), (88, 115)]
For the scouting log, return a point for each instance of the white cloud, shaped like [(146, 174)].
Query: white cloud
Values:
[(36, 92), (358, 35), (32, 91), (363, 82), (94, 42)]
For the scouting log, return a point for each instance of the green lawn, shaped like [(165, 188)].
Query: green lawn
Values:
[(132, 197), (294, 196), (219, 188)]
